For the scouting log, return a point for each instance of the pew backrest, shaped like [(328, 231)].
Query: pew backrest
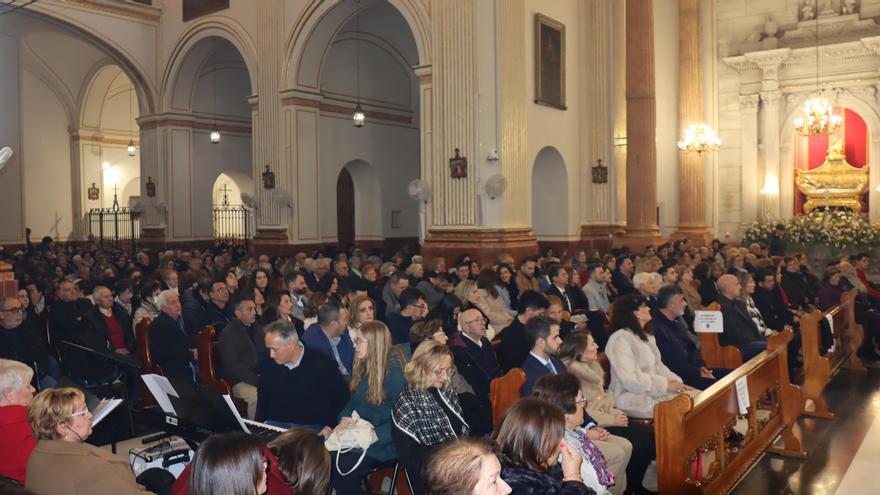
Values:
[(706, 460), (714, 354), (504, 391), (207, 360)]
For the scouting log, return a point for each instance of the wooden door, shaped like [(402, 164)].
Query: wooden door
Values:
[(345, 209)]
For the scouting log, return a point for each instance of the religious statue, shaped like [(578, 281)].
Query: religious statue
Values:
[(828, 8), (807, 10), (849, 7), (835, 183)]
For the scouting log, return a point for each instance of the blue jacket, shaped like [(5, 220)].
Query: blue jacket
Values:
[(318, 341), (535, 370)]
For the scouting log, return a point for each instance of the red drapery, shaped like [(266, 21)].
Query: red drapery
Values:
[(809, 152)]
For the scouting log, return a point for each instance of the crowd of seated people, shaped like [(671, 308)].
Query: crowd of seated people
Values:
[(309, 342)]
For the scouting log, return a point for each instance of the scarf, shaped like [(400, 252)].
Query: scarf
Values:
[(594, 455)]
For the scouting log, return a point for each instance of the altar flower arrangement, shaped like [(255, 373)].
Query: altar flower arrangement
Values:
[(838, 229)]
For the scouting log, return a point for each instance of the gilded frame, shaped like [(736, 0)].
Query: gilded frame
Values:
[(549, 62)]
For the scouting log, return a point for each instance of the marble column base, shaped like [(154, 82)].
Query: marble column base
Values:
[(483, 245)]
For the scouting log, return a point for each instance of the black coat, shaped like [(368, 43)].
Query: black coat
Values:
[(739, 328), (515, 345), (32, 350), (170, 346), (97, 335), (527, 482), (773, 310), (622, 283)]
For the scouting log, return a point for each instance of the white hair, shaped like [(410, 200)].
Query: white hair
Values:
[(13, 376), (161, 299), (642, 278)]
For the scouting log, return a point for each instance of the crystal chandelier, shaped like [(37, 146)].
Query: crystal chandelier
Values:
[(699, 139), (818, 117)]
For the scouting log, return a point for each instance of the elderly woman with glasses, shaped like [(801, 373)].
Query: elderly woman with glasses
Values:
[(16, 439), (62, 462), (427, 412)]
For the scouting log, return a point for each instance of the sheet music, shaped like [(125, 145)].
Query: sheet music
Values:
[(105, 407), (231, 405), (161, 388)]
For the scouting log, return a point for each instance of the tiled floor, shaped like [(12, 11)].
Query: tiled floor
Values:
[(843, 453)]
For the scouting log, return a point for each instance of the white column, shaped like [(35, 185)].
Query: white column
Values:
[(770, 145), (751, 183)]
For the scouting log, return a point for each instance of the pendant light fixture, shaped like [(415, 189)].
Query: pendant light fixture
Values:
[(358, 117), (130, 149), (818, 117), (215, 132)]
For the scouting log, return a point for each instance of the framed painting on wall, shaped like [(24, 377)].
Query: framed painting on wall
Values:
[(549, 62)]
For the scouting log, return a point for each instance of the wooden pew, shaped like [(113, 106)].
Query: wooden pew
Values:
[(818, 369), (774, 406), (714, 354), (504, 391), (142, 337)]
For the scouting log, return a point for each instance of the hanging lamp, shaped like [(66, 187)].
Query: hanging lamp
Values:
[(358, 117), (215, 132), (130, 149), (818, 116)]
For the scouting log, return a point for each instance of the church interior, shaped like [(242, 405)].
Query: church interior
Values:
[(725, 139)]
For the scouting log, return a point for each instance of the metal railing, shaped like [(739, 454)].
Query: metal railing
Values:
[(116, 226), (233, 224)]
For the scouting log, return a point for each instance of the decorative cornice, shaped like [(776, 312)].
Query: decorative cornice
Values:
[(481, 236), (344, 109), (769, 61), (99, 138), (126, 9), (739, 63)]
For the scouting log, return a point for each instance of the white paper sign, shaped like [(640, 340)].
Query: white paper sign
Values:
[(742, 394), (708, 322), (830, 320)]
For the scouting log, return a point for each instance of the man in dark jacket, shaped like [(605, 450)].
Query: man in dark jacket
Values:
[(241, 349), (298, 387), (173, 348), (22, 340), (776, 244), (768, 300), (678, 352), (544, 333), (739, 328), (514, 344), (796, 287), (215, 312), (621, 278)]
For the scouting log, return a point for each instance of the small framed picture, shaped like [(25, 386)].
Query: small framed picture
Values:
[(549, 62), (458, 166)]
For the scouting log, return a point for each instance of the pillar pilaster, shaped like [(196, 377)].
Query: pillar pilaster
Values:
[(748, 112), (692, 167), (641, 121)]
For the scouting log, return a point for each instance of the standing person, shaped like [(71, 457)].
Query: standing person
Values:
[(776, 243), (376, 382)]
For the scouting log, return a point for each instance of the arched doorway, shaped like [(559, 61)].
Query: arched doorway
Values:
[(549, 196), (345, 210), (211, 86), (323, 60)]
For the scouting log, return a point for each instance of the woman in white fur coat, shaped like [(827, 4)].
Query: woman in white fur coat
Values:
[(639, 379)]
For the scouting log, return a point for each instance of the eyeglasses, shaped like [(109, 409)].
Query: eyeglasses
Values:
[(582, 400), (13, 310), (81, 413), (444, 371), (483, 320)]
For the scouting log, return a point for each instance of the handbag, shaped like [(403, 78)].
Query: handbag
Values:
[(360, 434)]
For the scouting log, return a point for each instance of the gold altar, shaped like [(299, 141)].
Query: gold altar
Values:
[(835, 183)]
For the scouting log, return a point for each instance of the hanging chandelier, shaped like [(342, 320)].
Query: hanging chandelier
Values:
[(215, 132), (358, 117), (818, 117), (130, 149), (699, 139)]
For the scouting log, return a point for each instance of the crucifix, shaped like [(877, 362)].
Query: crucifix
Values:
[(225, 190), (115, 197), (54, 226)]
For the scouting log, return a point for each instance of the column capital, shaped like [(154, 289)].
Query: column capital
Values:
[(770, 98), (769, 61), (872, 43), (748, 103)]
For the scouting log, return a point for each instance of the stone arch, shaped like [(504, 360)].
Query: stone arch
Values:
[(311, 35), (549, 195), (189, 49), (143, 85), (866, 111), (367, 200)]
